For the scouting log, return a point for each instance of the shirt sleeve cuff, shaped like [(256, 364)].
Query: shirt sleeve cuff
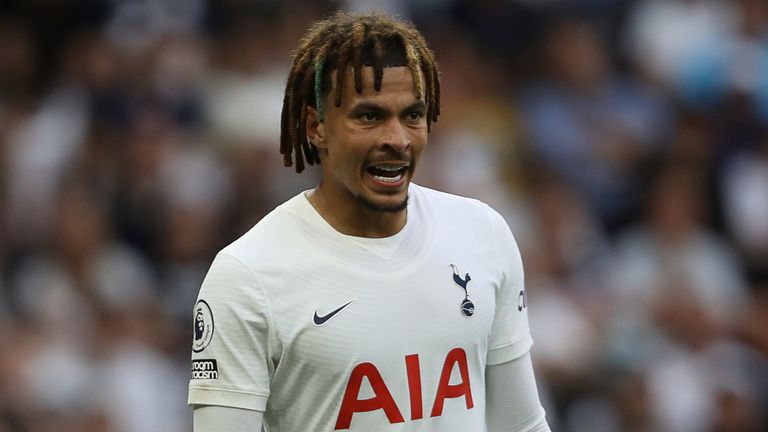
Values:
[(509, 352), (228, 398)]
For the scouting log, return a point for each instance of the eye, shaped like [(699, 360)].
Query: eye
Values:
[(368, 116), (415, 115)]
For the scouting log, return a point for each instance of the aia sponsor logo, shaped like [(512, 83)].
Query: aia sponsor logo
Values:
[(383, 400)]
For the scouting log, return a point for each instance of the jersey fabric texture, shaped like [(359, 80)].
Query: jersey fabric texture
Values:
[(323, 331)]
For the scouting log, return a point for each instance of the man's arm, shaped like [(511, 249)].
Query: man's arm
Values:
[(213, 418), (512, 400)]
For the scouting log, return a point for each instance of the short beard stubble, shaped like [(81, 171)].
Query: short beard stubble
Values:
[(370, 205)]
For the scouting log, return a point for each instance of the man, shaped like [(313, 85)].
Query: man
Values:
[(368, 303)]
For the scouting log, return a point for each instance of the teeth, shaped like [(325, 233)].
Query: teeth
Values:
[(389, 168), (394, 179)]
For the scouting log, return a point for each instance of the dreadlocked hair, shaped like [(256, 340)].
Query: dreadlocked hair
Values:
[(334, 45)]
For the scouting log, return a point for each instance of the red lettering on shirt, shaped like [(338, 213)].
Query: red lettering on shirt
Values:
[(445, 389), (382, 399), (414, 385)]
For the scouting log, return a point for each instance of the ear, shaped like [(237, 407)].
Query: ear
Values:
[(315, 128)]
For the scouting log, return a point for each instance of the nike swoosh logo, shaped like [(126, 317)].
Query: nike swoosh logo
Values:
[(320, 320)]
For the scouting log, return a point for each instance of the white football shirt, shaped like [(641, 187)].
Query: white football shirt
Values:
[(324, 331)]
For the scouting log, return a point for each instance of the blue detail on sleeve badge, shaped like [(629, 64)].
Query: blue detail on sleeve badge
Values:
[(203, 326), (522, 301)]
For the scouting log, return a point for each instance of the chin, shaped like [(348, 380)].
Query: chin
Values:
[(386, 206)]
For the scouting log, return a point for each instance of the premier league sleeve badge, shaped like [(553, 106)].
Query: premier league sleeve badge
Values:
[(203, 326)]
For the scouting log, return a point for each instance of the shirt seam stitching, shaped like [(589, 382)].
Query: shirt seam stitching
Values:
[(509, 344), (271, 331), (227, 390)]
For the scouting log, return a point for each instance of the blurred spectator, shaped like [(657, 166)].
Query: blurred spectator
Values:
[(39, 148), (136, 382), (673, 249), (592, 126), (194, 188), (83, 270), (62, 292), (745, 196), (663, 35), (566, 259), (678, 284), (704, 49)]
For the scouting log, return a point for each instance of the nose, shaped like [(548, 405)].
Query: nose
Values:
[(395, 135)]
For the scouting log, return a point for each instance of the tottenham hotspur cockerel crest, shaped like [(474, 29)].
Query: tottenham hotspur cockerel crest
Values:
[(467, 308)]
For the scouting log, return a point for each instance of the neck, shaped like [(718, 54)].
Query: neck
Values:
[(353, 218)]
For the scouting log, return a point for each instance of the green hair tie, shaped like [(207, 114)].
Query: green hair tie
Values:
[(318, 91)]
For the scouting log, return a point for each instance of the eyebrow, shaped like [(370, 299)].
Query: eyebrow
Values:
[(419, 105), (362, 107), (366, 107)]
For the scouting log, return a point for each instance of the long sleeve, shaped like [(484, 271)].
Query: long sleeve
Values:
[(213, 418), (512, 400)]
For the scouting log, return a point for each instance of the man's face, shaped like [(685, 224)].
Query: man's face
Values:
[(371, 143)]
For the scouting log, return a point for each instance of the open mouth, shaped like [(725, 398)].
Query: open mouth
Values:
[(388, 173)]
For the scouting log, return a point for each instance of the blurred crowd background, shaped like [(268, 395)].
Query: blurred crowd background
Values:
[(626, 143)]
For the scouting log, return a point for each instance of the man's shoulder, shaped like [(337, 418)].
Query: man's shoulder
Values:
[(269, 236), (450, 204), (455, 213)]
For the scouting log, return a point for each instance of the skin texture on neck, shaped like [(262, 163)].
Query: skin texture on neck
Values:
[(361, 222), (369, 147)]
